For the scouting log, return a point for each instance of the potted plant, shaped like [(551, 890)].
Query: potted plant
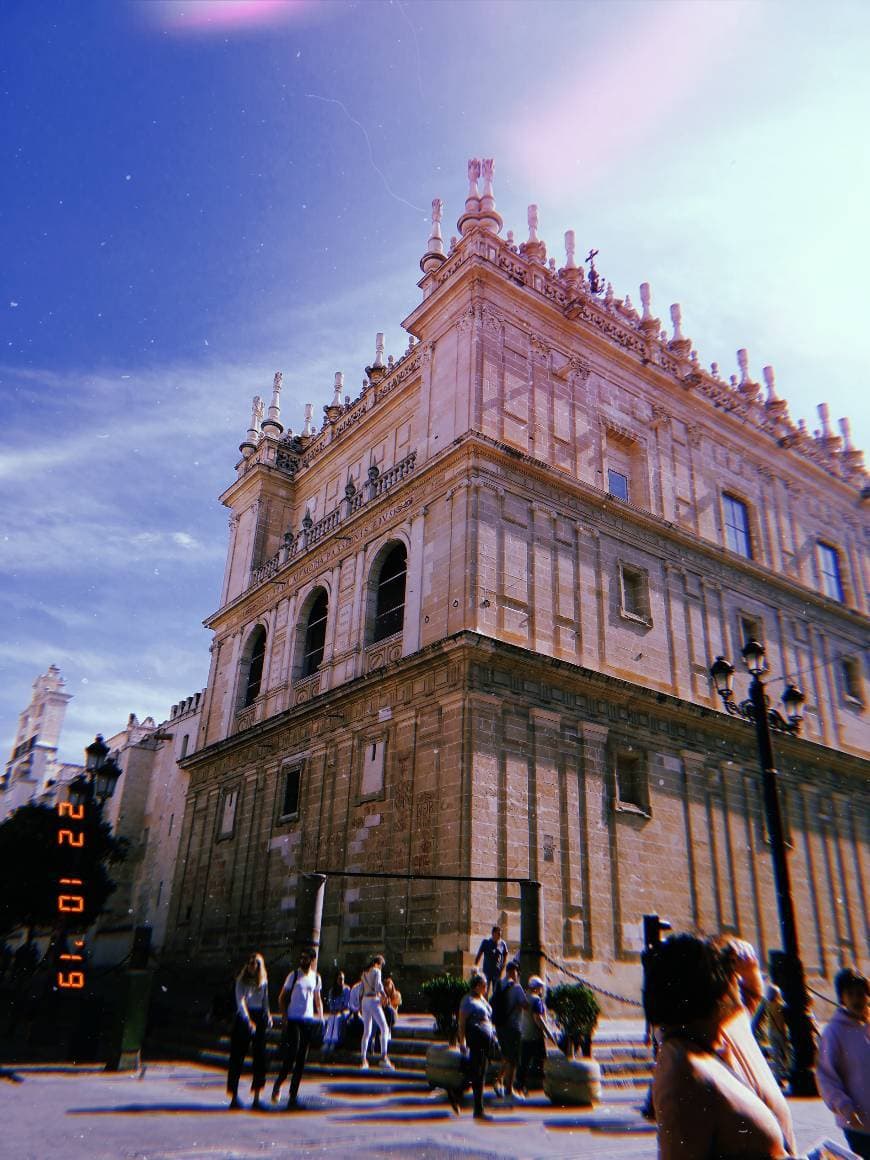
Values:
[(442, 996), (569, 1079)]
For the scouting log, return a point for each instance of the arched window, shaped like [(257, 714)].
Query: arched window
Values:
[(390, 594), (315, 635), (256, 653)]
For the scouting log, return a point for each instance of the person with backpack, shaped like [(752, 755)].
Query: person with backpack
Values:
[(252, 1020), (301, 1005), (508, 1003)]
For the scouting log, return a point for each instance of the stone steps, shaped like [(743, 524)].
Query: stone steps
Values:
[(625, 1059)]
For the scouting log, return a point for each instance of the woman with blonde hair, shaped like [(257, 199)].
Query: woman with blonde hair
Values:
[(252, 1020)]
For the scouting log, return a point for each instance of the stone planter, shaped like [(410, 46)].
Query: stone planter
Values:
[(572, 1082), (444, 1067)]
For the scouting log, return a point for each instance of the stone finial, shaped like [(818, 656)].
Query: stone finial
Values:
[(570, 250), (434, 255), (309, 411), (749, 389), (853, 459), (378, 368), (773, 404), (337, 388), (829, 440), (469, 219), (714, 370), (490, 219), (273, 425), (770, 382), (249, 445), (534, 249), (648, 324), (532, 216), (679, 344)]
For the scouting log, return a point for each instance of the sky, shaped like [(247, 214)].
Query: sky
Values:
[(195, 195)]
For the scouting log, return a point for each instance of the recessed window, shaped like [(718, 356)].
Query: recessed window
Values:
[(185, 741), (850, 680), (632, 783), (252, 668), (290, 789), (617, 484), (315, 635), (736, 517), (634, 593), (227, 817), (749, 628), (829, 571), (390, 594), (372, 780)]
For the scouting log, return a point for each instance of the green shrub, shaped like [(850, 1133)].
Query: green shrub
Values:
[(576, 1010), (442, 996)]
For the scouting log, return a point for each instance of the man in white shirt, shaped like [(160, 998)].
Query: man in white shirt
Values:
[(302, 1007)]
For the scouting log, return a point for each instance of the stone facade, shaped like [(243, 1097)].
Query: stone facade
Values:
[(587, 518)]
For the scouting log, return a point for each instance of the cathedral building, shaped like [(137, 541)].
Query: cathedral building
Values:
[(466, 629)]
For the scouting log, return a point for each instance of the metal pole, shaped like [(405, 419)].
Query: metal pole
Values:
[(791, 981), (309, 912), (531, 944)]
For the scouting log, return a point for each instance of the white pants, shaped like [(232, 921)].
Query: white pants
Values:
[(373, 1012)]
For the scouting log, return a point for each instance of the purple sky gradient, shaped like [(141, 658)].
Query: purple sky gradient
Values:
[(193, 196)]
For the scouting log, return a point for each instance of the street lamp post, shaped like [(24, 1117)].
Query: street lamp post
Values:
[(791, 981), (101, 775)]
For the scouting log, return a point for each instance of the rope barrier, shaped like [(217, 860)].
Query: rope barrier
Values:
[(592, 986), (824, 998)]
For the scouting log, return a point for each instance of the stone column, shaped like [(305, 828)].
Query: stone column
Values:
[(600, 921)]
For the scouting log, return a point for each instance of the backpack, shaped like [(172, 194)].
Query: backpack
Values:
[(499, 1002)]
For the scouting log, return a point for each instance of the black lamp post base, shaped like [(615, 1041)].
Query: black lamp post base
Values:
[(802, 1083)]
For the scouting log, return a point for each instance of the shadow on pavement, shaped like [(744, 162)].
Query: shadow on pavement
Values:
[(610, 1126), (149, 1109)]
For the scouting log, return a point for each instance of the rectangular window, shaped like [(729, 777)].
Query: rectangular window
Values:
[(634, 593), (227, 823), (372, 782), (185, 741), (290, 790), (632, 785), (737, 536), (829, 570), (850, 679), (749, 628), (617, 484)]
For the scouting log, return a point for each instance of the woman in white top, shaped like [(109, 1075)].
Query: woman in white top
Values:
[(301, 1005), (252, 1020), (373, 994)]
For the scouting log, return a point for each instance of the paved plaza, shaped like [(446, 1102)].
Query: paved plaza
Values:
[(178, 1111)]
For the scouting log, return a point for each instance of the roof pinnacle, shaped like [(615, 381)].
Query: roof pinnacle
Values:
[(748, 388), (249, 445), (434, 255), (490, 219), (534, 249), (273, 425), (469, 218)]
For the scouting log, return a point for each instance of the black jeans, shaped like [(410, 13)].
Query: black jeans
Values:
[(478, 1058), (533, 1052), (297, 1039), (239, 1043), (858, 1141)]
